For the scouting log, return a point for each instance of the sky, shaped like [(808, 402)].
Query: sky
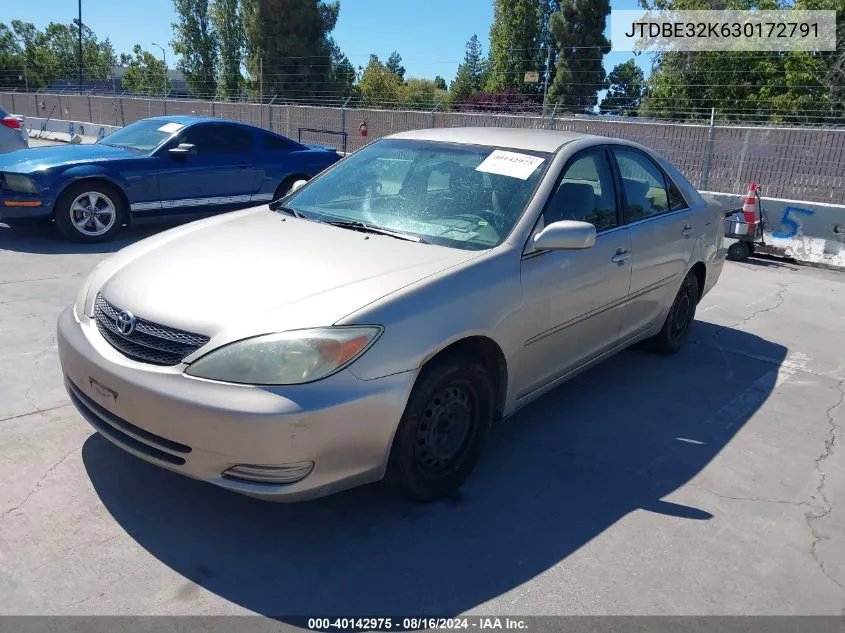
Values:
[(430, 35)]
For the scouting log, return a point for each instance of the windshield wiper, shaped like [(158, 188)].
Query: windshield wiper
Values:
[(354, 225)]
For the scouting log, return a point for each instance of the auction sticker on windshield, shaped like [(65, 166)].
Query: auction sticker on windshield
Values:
[(511, 164), (171, 127)]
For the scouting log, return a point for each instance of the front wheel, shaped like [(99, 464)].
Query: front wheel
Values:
[(678, 322), (90, 212), (443, 430)]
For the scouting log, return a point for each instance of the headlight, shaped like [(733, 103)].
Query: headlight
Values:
[(19, 183), (288, 358), (82, 295)]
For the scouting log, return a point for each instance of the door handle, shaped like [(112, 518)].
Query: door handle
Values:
[(687, 231), (621, 256), (243, 165)]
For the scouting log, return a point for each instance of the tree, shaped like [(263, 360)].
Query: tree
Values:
[(195, 41), (145, 73), (790, 86), (61, 40), (627, 83), (379, 86), (418, 94), (394, 65), (513, 43), (292, 39), (578, 29), (37, 58), (440, 82), (342, 76), (470, 75), (228, 24)]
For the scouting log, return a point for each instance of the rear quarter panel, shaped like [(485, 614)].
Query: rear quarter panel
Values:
[(275, 167)]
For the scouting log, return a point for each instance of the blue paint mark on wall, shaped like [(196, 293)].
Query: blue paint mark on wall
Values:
[(789, 223)]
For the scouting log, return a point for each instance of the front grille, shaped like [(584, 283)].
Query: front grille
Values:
[(149, 342)]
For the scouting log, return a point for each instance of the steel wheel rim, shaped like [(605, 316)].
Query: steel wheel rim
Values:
[(93, 213), (444, 431), (682, 312)]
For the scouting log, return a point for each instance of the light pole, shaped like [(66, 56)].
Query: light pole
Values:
[(79, 24), (164, 61)]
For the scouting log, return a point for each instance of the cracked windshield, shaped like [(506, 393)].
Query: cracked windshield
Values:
[(462, 196)]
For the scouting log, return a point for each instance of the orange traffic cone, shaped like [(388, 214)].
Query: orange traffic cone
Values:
[(749, 209)]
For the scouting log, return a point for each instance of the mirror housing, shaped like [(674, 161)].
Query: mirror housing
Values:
[(297, 185), (183, 149), (565, 235)]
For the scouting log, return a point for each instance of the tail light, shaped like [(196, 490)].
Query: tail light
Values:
[(11, 122)]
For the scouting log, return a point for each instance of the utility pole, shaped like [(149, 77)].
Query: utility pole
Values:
[(261, 79), (163, 61), (80, 46), (546, 77)]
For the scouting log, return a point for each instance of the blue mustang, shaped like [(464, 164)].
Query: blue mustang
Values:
[(154, 169)]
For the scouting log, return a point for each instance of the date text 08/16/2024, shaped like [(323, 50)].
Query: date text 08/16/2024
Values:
[(415, 623)]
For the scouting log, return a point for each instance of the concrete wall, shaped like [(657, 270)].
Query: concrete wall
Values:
[(59, 129), (809, 232)]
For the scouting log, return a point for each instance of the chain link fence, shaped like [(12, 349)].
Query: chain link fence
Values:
[(804, 163)]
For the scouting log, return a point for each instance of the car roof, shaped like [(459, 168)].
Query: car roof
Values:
[(515, 138), (187, 120)]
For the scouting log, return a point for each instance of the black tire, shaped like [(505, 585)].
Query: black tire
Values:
[(678, 322), (284, 187), (739, 251), (109, 209), (443, 430)]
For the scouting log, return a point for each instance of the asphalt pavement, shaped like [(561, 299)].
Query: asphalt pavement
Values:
[(709, 482)]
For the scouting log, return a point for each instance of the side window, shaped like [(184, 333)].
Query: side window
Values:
[(644, 185), (276, 143), (214, 140), (676, 198), (585, 193)]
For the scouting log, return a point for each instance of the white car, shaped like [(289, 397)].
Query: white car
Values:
[(12, 133)]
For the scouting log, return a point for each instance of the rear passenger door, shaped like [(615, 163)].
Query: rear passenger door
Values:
[(662, 230)]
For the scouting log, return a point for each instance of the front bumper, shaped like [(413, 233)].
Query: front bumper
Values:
[(202, 428), (23, 207)]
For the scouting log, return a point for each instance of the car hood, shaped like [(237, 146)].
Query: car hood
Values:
[(40, 158), (257, 271)]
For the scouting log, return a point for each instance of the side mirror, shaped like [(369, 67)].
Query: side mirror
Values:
[(297, 185), (566, 235), (183, 149)]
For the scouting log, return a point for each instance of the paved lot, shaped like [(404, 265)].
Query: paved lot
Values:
[(711, 482)]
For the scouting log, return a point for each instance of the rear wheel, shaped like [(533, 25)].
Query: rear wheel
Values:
[(90, 212), (678, 322), (443, 430), (284, 188)]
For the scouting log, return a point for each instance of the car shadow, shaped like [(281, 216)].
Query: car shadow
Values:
[(47, 240), (617, 439)]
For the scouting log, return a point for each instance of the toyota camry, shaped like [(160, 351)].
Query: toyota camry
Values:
[(377, 321)]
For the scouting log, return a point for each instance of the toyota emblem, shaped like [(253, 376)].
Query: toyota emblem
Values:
[(125, 323)]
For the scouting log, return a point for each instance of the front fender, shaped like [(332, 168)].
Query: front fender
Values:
[(81, 172)]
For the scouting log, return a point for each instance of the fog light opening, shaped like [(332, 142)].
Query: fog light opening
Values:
[(286, 474)]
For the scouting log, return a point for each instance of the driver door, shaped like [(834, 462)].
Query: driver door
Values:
[(221, 175), (573, 299)]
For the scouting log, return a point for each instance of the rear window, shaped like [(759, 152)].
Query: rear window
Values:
[(278, 143), (3, 113)]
